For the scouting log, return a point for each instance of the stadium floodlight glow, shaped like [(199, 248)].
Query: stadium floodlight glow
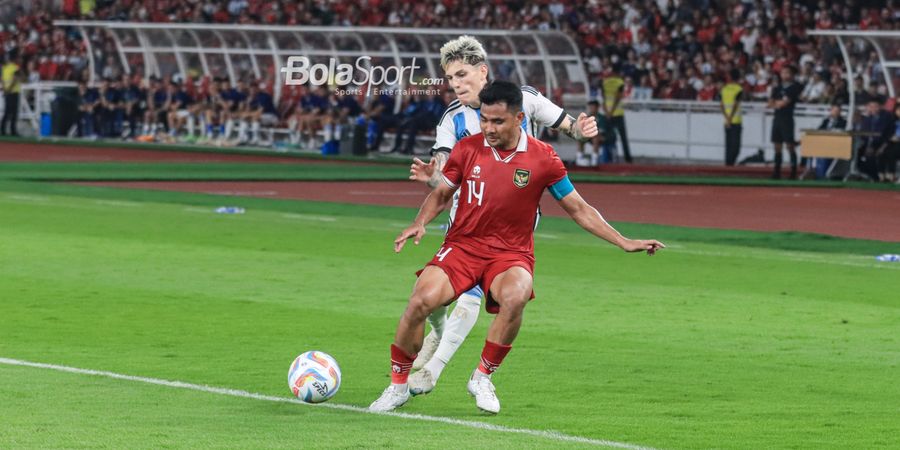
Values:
[(299, 71)]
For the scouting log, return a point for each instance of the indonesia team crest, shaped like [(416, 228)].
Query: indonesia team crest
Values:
[(520, 179)]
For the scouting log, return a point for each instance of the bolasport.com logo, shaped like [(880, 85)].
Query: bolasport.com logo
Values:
[(349, 78)]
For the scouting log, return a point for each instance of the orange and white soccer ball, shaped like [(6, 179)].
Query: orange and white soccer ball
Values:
[(314, 377)]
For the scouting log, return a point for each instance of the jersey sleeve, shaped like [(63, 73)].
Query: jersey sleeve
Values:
[(541, 110), (556, 169), (445, 133), (559, 184), (453, 169)]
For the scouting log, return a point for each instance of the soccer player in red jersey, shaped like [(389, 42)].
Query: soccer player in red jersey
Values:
[(501, 174)]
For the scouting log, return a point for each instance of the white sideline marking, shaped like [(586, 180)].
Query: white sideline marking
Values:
[(553, 435), (117, 203), (28, 198), (309, 217)]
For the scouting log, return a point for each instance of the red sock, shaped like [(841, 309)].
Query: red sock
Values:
[(401, 363), (492, 356)]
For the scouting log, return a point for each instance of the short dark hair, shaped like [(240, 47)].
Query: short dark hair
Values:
[(593, 103), (502, 91)]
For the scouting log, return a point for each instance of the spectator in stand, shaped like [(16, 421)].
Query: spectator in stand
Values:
[(381, 117), (859, 91), (235, 106), (730, 102), (784, 98), (892, 152), (709, 89), (834, 122), (157, 108), (309, 115), (261, 111), (179, 115), (422, 114), (410, 119), (349, 108), (215, 112), (605, 139), (841, 94), (88, 104), (585, 158), (877, 126), (643, 90), (814, 91), (134, 101), (111, 109)]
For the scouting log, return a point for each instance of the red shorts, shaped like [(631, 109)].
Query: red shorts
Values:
[(467, 269)]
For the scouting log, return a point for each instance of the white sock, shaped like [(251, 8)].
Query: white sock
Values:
[(146, 129), (254, 129), (242, 131), (479, 374), (190, 125), (229, 126), (437, 319), (460, 323)]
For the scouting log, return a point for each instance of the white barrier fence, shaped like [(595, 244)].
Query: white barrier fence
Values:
[(35, 99), (694, 131)]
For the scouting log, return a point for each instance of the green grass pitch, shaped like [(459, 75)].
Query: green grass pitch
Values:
[(724, 340)]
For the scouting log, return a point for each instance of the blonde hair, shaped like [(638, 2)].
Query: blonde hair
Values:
[(464, 48)]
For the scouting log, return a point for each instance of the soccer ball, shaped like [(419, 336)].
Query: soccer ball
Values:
[(314, 377)]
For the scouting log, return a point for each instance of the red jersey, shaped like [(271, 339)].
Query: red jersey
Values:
[(499, 192)]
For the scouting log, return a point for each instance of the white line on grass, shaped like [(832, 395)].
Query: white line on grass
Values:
[(117, 203), (553, 435), (27, 198), (309, 217)]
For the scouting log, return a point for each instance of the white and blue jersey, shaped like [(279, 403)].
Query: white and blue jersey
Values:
[(461, 120)]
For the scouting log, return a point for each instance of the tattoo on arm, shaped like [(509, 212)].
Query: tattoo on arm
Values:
[(440, 160), (568, 127)]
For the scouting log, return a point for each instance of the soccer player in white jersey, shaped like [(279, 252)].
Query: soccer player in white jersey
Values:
[(464, 61)]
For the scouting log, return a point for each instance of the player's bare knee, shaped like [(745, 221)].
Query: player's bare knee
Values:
[(420, 306), (512, 297)]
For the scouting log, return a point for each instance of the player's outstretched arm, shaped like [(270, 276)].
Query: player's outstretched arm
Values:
[(430, 172), (432, 206), (590, 219)]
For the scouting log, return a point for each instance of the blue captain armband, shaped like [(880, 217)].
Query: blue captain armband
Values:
[(561, 188)]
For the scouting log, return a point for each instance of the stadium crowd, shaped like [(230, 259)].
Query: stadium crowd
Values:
[(663, 49)]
